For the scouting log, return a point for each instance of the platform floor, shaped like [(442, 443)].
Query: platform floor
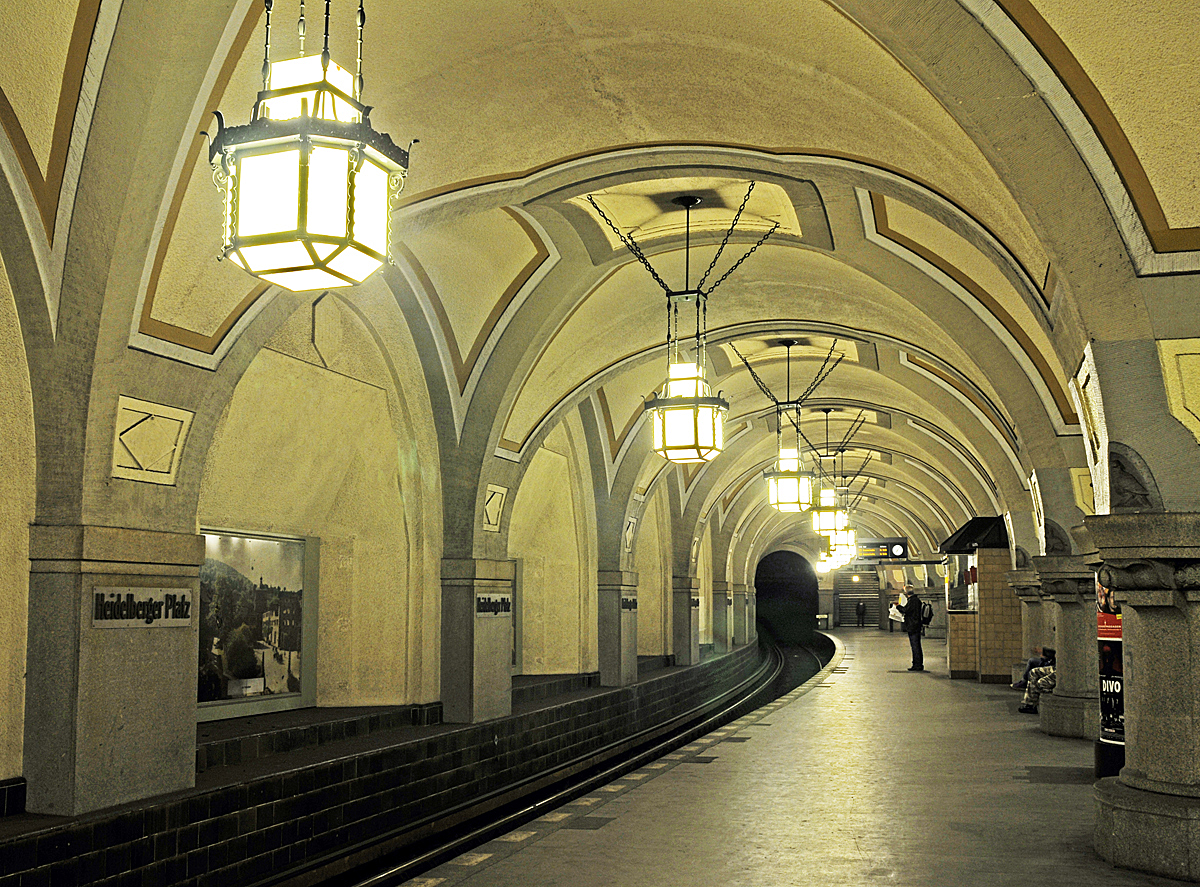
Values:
[(869, 774)]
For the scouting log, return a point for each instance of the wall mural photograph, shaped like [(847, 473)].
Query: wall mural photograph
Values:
[(251, 600)]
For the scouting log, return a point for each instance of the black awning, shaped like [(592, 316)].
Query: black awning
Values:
[(978, 532)]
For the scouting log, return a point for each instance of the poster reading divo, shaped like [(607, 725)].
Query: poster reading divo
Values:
[(1112, 672), (251, 603)]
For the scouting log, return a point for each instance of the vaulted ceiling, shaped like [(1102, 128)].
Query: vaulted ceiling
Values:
[(948, 179)]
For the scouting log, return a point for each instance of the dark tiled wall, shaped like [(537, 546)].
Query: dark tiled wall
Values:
[(12, 796), (240, 834), (226, 752)]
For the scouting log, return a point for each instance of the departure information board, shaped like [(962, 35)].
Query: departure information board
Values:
[(895, 548)]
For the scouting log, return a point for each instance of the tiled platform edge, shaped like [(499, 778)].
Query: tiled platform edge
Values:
[(248, 833), (227, 752)]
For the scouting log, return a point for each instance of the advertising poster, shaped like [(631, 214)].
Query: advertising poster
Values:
[(1112, 675), (251, 601)]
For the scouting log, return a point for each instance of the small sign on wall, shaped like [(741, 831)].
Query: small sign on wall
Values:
[(493, 604), (141, 608), (628, 603)]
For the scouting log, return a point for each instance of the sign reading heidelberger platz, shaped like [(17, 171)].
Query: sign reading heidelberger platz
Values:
[(141, 607)]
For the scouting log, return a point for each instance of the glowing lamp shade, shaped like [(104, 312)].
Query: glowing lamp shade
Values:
[(828, 520), (688, 422), (307, 183), (788, 488)]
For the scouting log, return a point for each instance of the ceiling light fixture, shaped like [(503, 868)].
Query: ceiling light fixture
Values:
[(688, 421), (307, 185), (789, 486)]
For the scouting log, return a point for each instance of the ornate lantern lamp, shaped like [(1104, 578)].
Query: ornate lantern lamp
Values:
[(828, 518), (307, 184), (789, 487), (688, 421)]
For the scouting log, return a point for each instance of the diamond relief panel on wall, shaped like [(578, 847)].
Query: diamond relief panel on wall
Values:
[(149, 440)]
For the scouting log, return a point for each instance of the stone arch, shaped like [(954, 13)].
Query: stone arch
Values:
[(552, 537), (18, 485), (314, 443)]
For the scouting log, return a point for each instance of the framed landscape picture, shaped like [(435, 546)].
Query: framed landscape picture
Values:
[(252, 601)]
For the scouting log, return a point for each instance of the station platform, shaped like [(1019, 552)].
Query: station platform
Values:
[(867, 774)]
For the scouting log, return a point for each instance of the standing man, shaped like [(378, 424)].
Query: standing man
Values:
[(910, 606), (860, 610)]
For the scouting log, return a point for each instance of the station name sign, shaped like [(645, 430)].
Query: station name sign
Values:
[(141, 607), (494, 604), (628, 603)]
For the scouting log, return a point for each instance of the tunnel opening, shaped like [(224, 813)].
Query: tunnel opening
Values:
[(786, 592)]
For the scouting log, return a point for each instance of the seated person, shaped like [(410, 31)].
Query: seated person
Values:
[(1041, 680), (1041, 656)]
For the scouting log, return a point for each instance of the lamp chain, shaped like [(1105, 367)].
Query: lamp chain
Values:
[(753, 375), (725, 239), (266, 68), (325, 50), (300, 28), (630, 244), (358, 80), (748, 254)]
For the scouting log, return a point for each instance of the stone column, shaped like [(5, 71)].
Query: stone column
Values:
[(741, 615), (477, 639), (1074, 707), (110, 700), (722, 617), (1148, 817), (1028, 589), (685, 619), (752, 614), (617, 633)]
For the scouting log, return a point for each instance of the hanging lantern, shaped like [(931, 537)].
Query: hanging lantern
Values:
[(688, 422), (789, 489), (307, 184), (827, 517)]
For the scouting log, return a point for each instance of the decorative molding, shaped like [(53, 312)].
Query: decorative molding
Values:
[(876, 229), (160, 337), (1130, 481), (493, 507), (149, 440), (1154, 246)]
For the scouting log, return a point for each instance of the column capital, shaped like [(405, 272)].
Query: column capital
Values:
[(1066, 580), (1134, 537), (617, 578), (1025, 585)]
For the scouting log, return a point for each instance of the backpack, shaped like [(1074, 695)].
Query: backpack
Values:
[(926, 612)]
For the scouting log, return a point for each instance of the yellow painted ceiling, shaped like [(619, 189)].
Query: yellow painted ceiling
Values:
[(35, 35), (1141, 55)]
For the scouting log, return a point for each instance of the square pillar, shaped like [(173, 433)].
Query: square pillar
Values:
[(998, 616), (110, 692), (722, 617), (477, 639), (617, 634), (685, 619), (742, 624)]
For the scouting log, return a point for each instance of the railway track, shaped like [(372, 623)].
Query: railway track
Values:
[(425, 844)]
